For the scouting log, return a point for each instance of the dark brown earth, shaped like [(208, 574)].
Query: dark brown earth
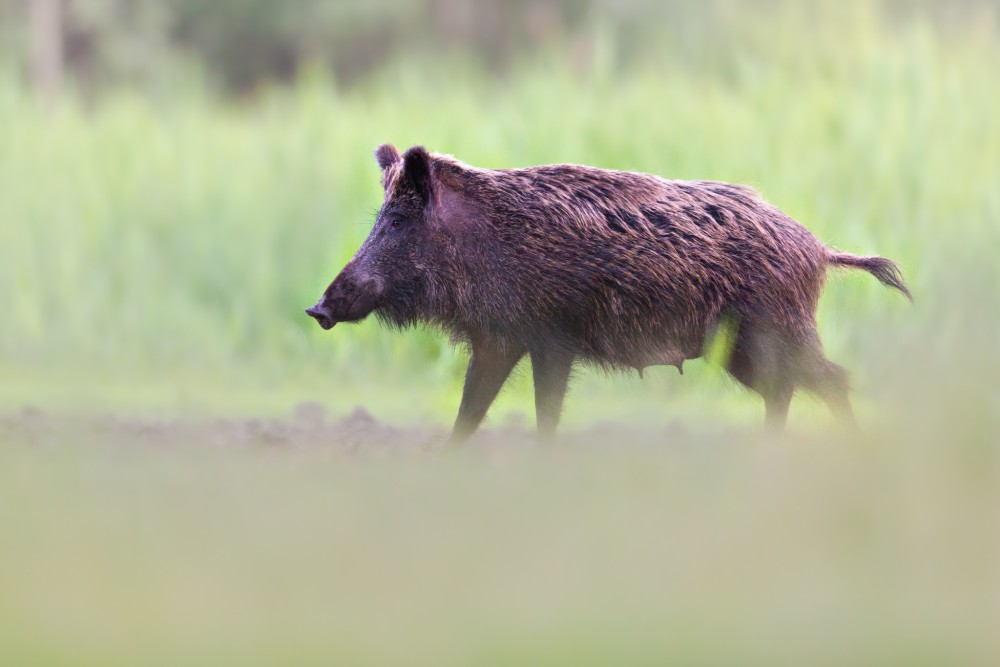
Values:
[(310, 425)]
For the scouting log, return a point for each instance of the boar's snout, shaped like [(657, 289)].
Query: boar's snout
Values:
[(321, 315), (349, 298)]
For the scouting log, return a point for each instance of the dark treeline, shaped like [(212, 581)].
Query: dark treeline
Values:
[(240, 44)]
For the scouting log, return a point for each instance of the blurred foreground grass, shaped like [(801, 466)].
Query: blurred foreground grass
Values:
[(693, 551)]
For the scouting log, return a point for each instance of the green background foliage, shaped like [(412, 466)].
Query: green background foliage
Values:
[(158, 250)]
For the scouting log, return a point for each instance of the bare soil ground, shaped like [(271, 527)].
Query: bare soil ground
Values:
[(310, 425)]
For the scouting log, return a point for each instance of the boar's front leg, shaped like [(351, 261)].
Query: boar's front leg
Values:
[(550, 370), (489, 368)]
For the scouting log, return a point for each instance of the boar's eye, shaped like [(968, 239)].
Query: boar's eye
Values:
[(396, 223)]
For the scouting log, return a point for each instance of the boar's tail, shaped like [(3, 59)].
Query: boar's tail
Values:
[(886, 270)]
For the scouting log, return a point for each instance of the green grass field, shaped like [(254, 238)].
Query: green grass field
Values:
[(157, 250)]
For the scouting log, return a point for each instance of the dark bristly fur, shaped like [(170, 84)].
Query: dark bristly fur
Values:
[(570, 263)]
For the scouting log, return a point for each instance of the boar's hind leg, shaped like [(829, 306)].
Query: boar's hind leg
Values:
[(828, 381), (550, 370), (760, 360), (776, 402), (773, 364), (488, 370)]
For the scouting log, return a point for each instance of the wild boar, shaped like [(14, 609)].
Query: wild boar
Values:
[(568, 263)]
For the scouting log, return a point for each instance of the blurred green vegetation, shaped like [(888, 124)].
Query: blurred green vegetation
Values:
[(159, 249)]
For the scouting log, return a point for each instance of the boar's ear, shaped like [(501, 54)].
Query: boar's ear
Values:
[(386, 155), (417, 171)]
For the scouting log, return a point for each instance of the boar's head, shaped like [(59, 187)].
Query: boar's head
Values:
[(394, 268)]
